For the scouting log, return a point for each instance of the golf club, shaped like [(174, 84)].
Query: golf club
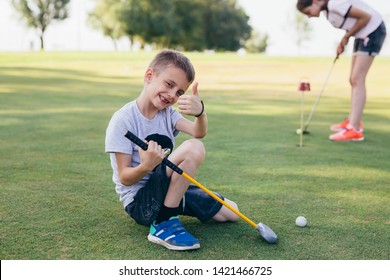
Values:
[(305, 131), (263, 229)]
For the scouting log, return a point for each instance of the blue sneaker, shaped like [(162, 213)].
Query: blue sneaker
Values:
[(172, 235)]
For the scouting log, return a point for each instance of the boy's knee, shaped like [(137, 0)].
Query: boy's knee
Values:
[(195, 150), (227, 215), (233, 217)]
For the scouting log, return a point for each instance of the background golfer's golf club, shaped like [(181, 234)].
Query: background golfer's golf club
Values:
[(265, 231), (305, 131)]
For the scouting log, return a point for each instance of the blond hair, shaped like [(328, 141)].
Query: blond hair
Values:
[(167, 58)]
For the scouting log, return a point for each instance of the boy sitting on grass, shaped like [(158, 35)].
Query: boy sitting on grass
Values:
[(152, 194)]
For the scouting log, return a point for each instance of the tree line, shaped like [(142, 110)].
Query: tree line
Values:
[(190, 25)]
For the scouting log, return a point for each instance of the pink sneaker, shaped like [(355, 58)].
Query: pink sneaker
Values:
[(343, 125), (347, 135)]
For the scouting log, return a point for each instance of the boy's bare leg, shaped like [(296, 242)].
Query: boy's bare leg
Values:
[(225, 214), (188, 157), (167, 230)]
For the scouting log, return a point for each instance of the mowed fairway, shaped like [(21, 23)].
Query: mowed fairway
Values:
[(58, 200)]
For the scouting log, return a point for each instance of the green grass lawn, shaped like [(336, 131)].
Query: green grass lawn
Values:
[(58, 200)]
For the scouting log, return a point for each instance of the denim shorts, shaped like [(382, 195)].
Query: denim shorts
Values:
[(148, 200), (372, 44)]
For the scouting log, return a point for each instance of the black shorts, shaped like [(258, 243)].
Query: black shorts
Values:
[(148, 200), (372, 44)]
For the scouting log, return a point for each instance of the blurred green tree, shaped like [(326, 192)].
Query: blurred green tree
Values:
[(257, 43), (226, 25), (39, 14), (184, 24), (150, 21), (106, 17), (303, 29), (190, 19)]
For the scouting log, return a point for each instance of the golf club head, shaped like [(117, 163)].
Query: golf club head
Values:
[(267, 233)]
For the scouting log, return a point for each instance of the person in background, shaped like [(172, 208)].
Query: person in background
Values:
[(362, 22)]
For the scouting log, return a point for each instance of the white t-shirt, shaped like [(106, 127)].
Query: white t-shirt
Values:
[(129, 118), (337, 16)]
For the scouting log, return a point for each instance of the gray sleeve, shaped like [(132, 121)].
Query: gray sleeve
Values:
[(116, 142)]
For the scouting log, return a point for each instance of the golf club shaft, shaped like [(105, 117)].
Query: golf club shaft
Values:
[(302, 109), (178, 170), (213, 195), (319, 95)]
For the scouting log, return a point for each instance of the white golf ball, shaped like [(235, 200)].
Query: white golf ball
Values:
[(298, 131), (301, 221)]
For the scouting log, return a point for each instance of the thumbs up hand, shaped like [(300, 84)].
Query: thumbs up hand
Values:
[(190, 104)]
